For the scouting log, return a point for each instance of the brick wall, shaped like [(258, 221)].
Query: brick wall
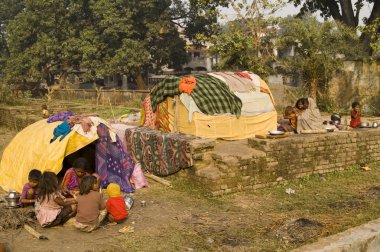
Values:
[(270, 161)]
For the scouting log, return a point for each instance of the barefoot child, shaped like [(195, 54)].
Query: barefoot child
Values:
[(116, 207), (30, 191), (52, 209), (90, 204)]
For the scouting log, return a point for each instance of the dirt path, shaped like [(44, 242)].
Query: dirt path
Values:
[(183, 218)]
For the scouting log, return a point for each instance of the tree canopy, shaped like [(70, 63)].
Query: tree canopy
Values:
[(46, 39), (318, 49), (247, 42), (345, 11)]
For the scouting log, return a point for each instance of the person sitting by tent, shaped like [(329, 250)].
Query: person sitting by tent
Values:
[(116, 206), (30, 190), (310, 118), (91, 205), (52, 209), (301, 105), (74, 175)]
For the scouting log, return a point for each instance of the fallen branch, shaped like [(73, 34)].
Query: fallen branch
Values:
[(34, 232), (159, 180)]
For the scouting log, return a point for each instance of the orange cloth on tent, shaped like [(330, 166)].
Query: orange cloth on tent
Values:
[(264, 88), (187, 84)]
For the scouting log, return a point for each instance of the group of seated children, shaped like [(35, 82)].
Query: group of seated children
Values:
[(77, 196)]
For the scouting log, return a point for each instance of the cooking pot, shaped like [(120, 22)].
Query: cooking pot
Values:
[(336, 118), (12, 198), (375, 125)]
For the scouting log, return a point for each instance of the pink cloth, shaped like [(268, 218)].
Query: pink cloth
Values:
[(48, 210), (138, 177)]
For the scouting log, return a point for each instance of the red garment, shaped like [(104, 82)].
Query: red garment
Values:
[(187, 84), (116, 207), (355, 119), (243, 75)]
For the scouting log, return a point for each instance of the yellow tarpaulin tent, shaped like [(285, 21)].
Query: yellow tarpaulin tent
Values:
[(31, 149), (220, 126)]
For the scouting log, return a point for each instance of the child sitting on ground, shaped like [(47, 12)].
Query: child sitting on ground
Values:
[(73, 177), (355, 115), (30, 190), (52, 209), (90, 202), (116, 207)]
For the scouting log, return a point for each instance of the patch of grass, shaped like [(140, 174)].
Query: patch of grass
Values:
[(193, 189)]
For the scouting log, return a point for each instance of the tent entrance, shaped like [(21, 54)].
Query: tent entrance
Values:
[(87, 152)]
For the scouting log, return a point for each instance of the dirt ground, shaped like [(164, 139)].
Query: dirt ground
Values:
[(184, 218)]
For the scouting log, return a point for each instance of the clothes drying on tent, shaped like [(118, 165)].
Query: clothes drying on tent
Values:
[(186, 115), (211, 95), (158, 152), (31, 149)]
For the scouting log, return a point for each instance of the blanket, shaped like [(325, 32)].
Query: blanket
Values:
[(159, 152), (211, 95)]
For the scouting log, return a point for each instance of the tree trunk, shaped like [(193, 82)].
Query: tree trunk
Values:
[(313, 89), (348, 15), (140, 81), (62, 79), (49, 78)]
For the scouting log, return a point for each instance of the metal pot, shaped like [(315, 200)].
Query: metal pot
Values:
[(12, 198), (375, 125), (336, 118)]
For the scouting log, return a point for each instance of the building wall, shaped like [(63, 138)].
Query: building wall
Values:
[(359, 81)]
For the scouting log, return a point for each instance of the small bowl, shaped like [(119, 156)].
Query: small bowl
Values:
[(276, 132), (364, 125), (330, 129)]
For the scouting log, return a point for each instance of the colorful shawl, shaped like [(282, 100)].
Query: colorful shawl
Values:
[(63, 116), (113, 163)]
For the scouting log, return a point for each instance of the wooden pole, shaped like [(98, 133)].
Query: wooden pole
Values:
[(34, 232), (158, 179), (176, 113), (113, 115)]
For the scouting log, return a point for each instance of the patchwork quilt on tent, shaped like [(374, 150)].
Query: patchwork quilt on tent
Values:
[(159, 152), (211, 95)]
